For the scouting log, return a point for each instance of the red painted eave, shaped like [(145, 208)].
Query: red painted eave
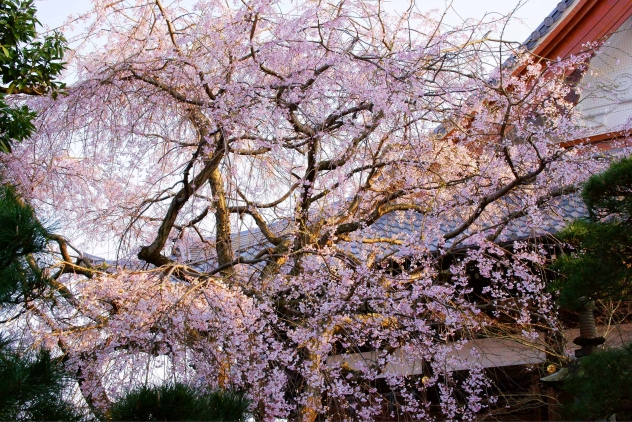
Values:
[(589, 20)]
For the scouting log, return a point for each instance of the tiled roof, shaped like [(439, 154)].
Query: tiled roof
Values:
[(547, 24), (401, 226)]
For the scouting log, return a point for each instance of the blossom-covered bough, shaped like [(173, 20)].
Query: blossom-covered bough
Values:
[(280, 139)]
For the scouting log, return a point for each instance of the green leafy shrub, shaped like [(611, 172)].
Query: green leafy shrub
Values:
[(28, 65)]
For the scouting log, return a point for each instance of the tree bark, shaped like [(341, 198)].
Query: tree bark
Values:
[(223, 244)]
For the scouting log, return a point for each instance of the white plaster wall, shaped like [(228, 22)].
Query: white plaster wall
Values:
[(606, 89)]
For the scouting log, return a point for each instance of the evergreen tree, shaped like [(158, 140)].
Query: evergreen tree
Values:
[(599, 267), (32, 386), (179, 402), (601, 384), (33, 382), (22, 239)]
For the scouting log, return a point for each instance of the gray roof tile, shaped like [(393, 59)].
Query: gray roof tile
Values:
[(402, 225)]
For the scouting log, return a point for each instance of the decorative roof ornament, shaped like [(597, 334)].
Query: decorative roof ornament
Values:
[(561, 6), (547, 24)]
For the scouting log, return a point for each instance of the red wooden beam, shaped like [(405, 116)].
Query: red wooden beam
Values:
[(588, 20)]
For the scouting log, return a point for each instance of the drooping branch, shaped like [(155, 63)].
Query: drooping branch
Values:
[(383, 207)]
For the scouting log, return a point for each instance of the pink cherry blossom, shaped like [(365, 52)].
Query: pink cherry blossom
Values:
[(300, 195)]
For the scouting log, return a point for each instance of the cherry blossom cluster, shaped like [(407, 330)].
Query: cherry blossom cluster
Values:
[(301, 197)]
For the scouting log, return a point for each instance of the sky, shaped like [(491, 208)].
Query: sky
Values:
[(531, 13)]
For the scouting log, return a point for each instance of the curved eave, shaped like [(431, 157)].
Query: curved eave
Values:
[(587, 21)]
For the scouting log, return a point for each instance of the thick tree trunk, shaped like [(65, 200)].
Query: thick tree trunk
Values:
[(223, 245), (313, 391), (309, 411)]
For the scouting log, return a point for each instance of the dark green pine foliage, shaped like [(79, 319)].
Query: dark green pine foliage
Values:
[(22, 239), (28, 65), (602, 386), (179, 402), (32, 386), (600, 267)]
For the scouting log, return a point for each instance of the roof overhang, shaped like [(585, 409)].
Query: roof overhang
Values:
[(586, 21)]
